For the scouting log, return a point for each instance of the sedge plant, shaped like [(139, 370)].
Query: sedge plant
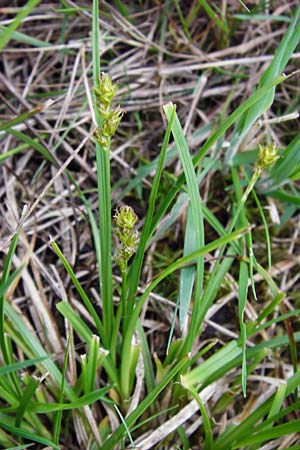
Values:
[(106, 377)]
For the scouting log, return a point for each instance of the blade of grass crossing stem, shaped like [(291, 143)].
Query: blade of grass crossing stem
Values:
[(125, 426), (227, 123), (242, 297), (281, 57), (146, 403), (165, 273), (87, 302), (196, 221), (269, 323), (24, 12), (104, 195), (136, 266)]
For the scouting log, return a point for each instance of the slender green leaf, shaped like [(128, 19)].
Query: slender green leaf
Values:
[(27, 435), (281, 57), (6, 34)]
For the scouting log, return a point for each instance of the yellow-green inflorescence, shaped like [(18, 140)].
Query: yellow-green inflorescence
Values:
[(111, 118), (128, 236), (267, 156)]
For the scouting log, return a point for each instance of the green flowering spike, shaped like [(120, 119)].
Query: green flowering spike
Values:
[(110, 125), (125, 220), (105, 91), (267, 156), (111, 118), (101, 138), (125, 217)]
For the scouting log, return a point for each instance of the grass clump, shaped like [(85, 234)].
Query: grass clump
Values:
[(94, 353)]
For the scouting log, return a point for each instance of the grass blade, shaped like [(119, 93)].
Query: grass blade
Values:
[(281, 57), (195, 201), (6, 34)]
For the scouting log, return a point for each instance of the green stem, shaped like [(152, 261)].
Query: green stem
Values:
[(124, 301), (104, 192)]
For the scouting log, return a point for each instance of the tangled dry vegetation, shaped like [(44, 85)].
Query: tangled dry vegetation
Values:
[(157, 52)]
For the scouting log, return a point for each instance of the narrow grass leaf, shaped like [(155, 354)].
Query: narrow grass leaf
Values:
[(213, 16), (20, 447), (58, 418), (32, 143), (75, 320), (6, 34), (87, 399), (20, 119), (85, 332), (198, 375), (21, 365), (13, 151), (270, 307), (278, 400), (20, 432), (25, 399), (242, 298), (136, 266), (187, 275), (87, 302), (281, 57), (4, 284), (31, 346), (196, 221), (245, 428), (286, 165), (26, 39), (206, 422), (264, 436)]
